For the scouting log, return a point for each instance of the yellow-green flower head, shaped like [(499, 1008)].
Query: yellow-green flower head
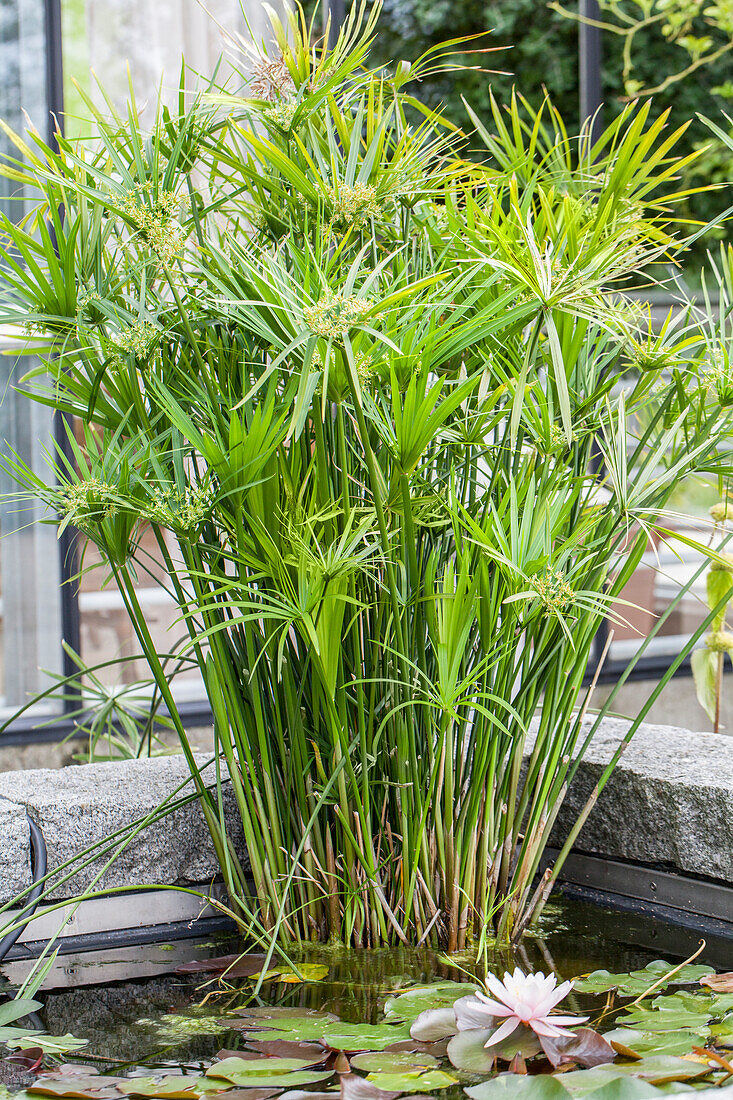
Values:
[(180, 511), (282, 114), (353, 206), (88, 502), (720, 642), (724, 565), (138, 339), (155, 219), (333, 315), (553, 590), (722, 512)]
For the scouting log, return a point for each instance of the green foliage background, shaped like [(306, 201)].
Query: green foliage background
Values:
[(540, 52)]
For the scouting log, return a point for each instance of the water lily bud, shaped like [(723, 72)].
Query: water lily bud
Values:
[(720, 642), (722, 511)]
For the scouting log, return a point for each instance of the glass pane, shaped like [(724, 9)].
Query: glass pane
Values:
[(29, 556)]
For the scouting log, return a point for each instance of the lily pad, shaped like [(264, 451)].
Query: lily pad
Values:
[(634, 1043), (237, 1069), (625, 1088), (431, 1081), (311, 1054), (434, 1024), (354, 1087), (586, 1048), (95, 1086), (467, 1051), (393, 1061), (408, 1006), (307, 972), (171, 1087), (510, 1086), (363, 1036), (49, 1044), (636, 982)]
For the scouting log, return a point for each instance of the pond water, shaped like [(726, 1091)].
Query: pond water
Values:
[(135, 1011)]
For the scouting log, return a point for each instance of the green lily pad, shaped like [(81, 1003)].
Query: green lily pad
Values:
[(307, 972), (281, 1080), (655, 1042), (172, 1087), (407, 1006), (393, 1061), (512, 1086), (670, 1013), (431, 1081), (367, 1037), (467, 1051), (49, 1044), (294, 1029), (624, 1088), (636, 982), (237, 1069), (660, 1068)]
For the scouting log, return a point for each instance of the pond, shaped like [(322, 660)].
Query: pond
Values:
[(146, 1019)]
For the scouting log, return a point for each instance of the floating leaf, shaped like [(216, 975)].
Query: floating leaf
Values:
[(279, 1080), (235, 966), (586, 1047), (363, 1036), (467, 1051), (471, 1014), (389, 1061), (408, 1006), (637, 982), (311, 1054), (625, 1088), (634, 1044), (434, 1023), (430, 1081), (509, 1086), (171, 1087), (97, 1087), (308, 972), (719, 983), (671, 1013), (354, 1087), (237, 1069), (49, 1044)]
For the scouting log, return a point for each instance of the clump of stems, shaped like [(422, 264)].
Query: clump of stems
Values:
[(400, 437)]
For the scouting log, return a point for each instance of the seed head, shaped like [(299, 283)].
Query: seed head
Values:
[(333, 315), (88, 502), (721, 641), (137, 339), (270, 78), (553, 590), (155, 219), (353, 206), (722, 512)]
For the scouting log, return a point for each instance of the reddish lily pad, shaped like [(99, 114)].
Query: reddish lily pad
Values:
[(354, 1087), (234, 966), (586, 1048), (312, 1054)]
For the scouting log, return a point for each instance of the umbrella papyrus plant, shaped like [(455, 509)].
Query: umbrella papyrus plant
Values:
[(400, 437)]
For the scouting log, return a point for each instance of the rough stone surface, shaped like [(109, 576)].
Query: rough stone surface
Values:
[(15, 866), (669, 800), (78, 806)]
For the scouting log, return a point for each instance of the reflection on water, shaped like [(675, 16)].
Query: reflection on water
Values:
[(176, 1019)]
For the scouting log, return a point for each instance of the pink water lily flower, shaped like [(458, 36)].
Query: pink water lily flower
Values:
[(527, 999)]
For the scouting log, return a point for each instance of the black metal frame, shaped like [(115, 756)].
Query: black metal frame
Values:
[(28, 730)]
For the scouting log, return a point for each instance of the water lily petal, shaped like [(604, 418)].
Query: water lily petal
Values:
[(502, 1032), (544, 1027)]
